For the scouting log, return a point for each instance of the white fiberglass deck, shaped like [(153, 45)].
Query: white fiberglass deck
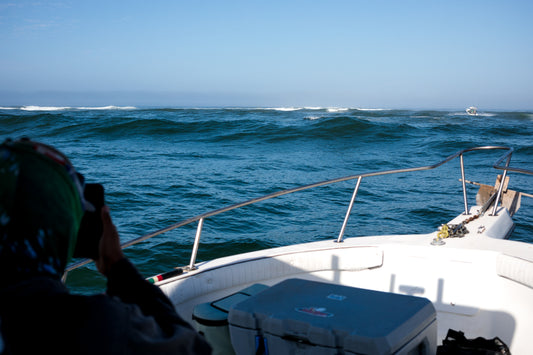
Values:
[(478, 284)]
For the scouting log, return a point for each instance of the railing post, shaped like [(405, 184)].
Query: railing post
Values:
[(464, 184), (341, 234), (500, 188), (196, 244)]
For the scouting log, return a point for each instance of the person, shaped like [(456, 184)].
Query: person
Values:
[(41, 206)]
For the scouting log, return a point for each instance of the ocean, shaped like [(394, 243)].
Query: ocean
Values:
[(162, 165)]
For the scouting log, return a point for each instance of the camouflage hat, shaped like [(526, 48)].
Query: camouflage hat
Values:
[(41, 206)]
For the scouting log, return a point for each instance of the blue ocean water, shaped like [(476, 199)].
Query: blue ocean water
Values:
[(163, 165)]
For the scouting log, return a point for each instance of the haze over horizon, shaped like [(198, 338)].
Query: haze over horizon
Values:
[(381, 54)]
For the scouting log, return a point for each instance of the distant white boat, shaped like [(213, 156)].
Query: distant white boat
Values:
[(472, 111)]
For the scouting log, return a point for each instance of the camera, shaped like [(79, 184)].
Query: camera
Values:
[(91, 227)]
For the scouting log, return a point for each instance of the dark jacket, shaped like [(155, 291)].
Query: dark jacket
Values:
[(134, 317)]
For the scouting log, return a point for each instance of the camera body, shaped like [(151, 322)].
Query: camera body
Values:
[(91, 227)]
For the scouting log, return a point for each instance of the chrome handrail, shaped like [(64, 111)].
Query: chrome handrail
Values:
[(201, 218)]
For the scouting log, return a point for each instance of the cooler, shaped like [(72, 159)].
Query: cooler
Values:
[(211, 319), (308, 317)]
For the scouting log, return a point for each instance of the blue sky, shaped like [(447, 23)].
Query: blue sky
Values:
[(370, 54)]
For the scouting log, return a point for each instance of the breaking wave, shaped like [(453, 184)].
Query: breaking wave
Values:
[(65, 108)]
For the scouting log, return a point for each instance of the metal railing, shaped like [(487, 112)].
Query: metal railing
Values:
[(201, 218)]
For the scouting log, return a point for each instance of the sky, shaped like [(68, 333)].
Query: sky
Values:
[(358, 53)]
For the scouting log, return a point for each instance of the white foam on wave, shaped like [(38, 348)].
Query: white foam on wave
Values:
[(288, 109), (43, 108), (337, 109), (479, 114), (108, 108), (310, 108), (63, 108), (283, 109)]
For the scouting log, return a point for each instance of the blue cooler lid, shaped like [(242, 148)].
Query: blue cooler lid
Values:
[(354, 319)]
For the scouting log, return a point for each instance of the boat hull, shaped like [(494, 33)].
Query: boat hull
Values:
[(478, 284)]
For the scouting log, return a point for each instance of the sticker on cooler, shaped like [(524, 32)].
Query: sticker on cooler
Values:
[(336, 297), (314, 311)]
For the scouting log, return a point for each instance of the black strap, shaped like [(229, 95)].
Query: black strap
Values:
[(457, 343), (260, 345)]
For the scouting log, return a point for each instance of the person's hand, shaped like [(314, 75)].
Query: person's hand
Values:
[(109, 248)]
